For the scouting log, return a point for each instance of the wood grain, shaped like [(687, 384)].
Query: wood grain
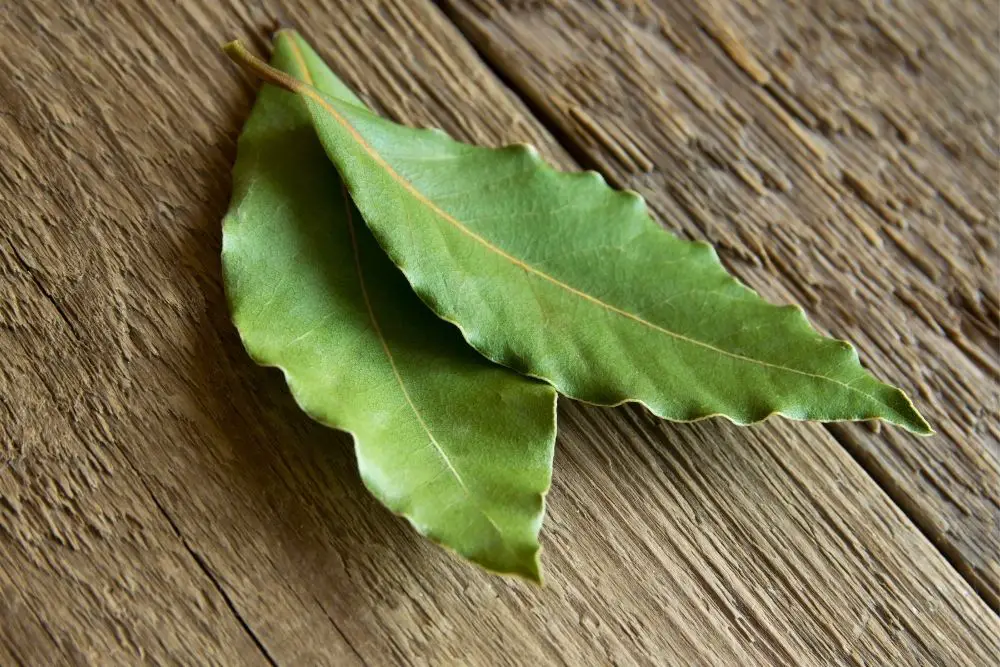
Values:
[(162, 500), (841, 155)]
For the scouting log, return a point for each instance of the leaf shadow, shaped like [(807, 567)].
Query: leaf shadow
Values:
[(283, 491)]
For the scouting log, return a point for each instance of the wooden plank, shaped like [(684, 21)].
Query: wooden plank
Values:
[(162, 493), (91, 570), (841, 155)]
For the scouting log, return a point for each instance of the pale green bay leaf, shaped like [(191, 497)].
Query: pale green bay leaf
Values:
[(561, 277), (460, 446)]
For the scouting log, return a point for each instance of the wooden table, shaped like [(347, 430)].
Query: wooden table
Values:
[(162, 500)]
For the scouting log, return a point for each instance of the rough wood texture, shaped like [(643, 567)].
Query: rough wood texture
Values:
[(162, 499), (842, 155)]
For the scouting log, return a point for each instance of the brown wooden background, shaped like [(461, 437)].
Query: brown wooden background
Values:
[(162, 500)]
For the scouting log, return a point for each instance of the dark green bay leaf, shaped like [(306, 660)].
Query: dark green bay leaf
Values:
[(460, 446), (562, 278)]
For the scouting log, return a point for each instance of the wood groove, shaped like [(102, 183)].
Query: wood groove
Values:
[(888, 484), (683, 544), (505, 38)]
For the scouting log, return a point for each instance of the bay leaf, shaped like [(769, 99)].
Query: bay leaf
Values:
[(458, 445), (562, 278)]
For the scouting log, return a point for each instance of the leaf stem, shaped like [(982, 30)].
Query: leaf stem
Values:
[(248, 61)]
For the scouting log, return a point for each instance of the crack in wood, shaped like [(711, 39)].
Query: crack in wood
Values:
[(208, 572), (54, 302)]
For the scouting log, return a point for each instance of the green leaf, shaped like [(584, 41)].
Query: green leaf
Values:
[(562, 278), (461, 447)]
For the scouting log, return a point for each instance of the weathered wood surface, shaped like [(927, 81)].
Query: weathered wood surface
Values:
[(842, 155), (162, 499)]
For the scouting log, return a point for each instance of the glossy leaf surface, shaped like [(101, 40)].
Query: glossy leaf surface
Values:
[(460, 446), (561, 277)]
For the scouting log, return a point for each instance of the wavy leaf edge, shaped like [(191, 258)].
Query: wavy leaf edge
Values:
[(913, 422)]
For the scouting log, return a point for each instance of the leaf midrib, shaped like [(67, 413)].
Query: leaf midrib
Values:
[(444, 215)]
